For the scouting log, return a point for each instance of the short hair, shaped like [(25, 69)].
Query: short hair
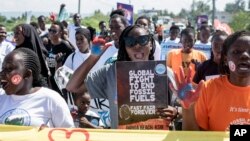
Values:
[(217, 34), (187, 31), (204, 27), (92, 32), (65, 23), (31, 61), (120, 12), (223, 67), (101, 22), (173, 27), (76, 14), (123, 19), (143, 17), (40, 17), (122, 53), (85, 32), (61, 26), (1, 25)]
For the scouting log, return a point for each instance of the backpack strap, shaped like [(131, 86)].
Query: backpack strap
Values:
[(72, 59)]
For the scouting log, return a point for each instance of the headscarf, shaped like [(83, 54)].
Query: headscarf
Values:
[(85, 32), (34, 42)]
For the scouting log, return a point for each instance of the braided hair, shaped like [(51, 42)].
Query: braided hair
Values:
[(31, 61), (223, 67), (122, 53)]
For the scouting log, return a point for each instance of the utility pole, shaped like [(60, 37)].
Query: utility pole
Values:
[(213, 14), (79, 6)]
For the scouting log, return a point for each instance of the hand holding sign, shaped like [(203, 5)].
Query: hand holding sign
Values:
[(186, 93)]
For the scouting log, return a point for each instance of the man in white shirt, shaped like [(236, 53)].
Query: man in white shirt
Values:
[(41, 23), (204, 44), (5, 46), (172, 42), (72, 29)]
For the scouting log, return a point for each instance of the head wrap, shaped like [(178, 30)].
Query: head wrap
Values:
[(85, 32)]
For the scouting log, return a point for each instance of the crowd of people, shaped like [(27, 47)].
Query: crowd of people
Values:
[(209, 74)]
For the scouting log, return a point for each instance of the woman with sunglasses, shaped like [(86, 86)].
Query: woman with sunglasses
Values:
[(135, 44), (146, 22), (58, 51), (26, 36)]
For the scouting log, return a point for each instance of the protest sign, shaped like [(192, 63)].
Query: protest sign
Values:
[(142, 88), (168, 46)]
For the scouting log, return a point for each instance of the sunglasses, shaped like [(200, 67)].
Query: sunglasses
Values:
[(141, 40), (53, 31)]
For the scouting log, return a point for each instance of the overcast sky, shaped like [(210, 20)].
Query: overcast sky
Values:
[(89, 6)]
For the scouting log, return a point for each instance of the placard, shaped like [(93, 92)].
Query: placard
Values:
[(142, 88)]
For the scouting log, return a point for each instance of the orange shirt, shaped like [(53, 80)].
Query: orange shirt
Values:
[(159, 30), (176, 58), (221, 104)]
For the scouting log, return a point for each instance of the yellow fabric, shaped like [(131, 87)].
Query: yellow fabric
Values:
[(14, 133)]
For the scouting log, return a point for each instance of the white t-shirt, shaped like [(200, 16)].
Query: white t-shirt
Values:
[(2, 92), (72, 31), (205, 48), (108, 56), (157, 54), (45, 106), (94, 118), (177, 40), (73, 62), (167, 45), (5, 48), (43, 32)]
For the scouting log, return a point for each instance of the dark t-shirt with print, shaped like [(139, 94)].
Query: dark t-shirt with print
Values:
[(63, 48), (207, 68)]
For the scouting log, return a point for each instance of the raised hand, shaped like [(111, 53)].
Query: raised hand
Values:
[(186, 92), (99, 46)]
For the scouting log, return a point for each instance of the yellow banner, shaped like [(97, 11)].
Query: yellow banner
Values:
[(20, 133)]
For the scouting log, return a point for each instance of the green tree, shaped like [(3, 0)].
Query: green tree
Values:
[(238, 5), (2, 19), (171, 14), (183, 14), (240, 21), (165, 12), (95, 19), (200, 8)]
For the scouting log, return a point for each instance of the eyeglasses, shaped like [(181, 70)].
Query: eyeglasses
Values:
[(53, 31), (141, 40)]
